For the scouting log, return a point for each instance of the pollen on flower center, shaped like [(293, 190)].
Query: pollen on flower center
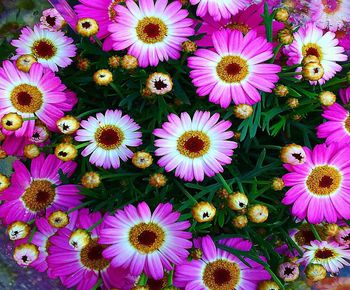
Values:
[(50, 20), (151, 30), (39, 195), (324, 253), (26, 98), (111, 11), (324, 180), (232, 69), (193, 144), (244, 28), (221, 274), (91, 256), (146, 238), (44, 48), (312, 49), (109, 137), (347, 123)]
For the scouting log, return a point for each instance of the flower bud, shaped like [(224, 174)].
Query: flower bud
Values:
[(293, 103), (240, 221), (258, 213), (103, 77), (289, 272), (222, 193), (24, 62), (159, 83), (310, 59), (66, 151), (18, 230), (242, 111), (4, 182), (68, 125), (313, 71), (157, 180), (203, 212), (129, 62), (285, 36), (237, 201), (83, 64), (189, 46), (142, 160), (281, 15), (343, 237), (315, 272), (114, 61), (25, 254), (58, 219), (91, 180), (327, 98), (79, 239), (268, 285), (277, 183), (87, 27), (331, 230), (12, 121), (293, 154), (196, 254), (281, 90), (31, 151)]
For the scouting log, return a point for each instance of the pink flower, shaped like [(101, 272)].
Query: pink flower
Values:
[(52, 20)]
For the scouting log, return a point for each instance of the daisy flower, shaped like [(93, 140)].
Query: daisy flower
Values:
[(330, 255), (38, 93), (52, 20), (103, 11), (109, 136), (51, 48), (83, 267), (337, 127), (145, 241), (235, 69), (152, 32), (195, 147), (33, 192), (219, 269), (330, 14), (219, 8), (319, 186), (310, 40)]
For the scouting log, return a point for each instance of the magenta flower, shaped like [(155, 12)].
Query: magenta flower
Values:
[(234, 71), (194, 147), (142, 241), (219, 269), (38, 93), (150, 31), (319, 186), (83, 267), (33, 192)]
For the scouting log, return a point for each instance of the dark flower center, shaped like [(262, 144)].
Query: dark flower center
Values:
[(313, 51), (326, 181), (324, 253), (221, 276), (152, 30), (233, 69), (288, 271), (44, 48), (109, 137), (147, 238), (51, 20), (159, 85), (194, 144)]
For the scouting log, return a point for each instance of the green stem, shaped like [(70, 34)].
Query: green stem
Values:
[(143, 280), (82, 145), (96, 224), (113, 86), (30, 118), (87, 113), (80, 206), (314, 231), (170, 278), (32, 234), (97, 285), (97, 40), (224, 183), (276, 50), (289, 74), (190, 197)]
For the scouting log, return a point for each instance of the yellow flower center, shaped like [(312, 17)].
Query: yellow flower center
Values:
[(324, 254), (324, 180), (193, 144), (244, 28), (221, 274), (146, 238), (312, 49), (26, 98), (347, 123), (44, 48), (111, 11), (39, 195), (151, 30), (232, 69), (109, 137), (91, 256)]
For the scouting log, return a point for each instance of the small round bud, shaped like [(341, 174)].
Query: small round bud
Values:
[(310, 59), (327, 98), (142, 160), (18, 230), (285, 36), (293, 103), (157, 180), (68, 125), (103, 77), (277, 183), (140, 288), (91, 180), (315, 272), (58, 219), (313, 71), (237, 136), (25, 61), (87, 27), (79, 239), (296, 117), (11, 121), (293, 154), (222, 193), (258, 213), (243, 111), (40, 134), (159, 83), (237, 201), (268, 285), (83, 64), (197, 254), (25, 254), (129, 62), (343, 236), (203, 212), (281, 90), (240, 221), (66, 151), (114, 61), (4, 182), (281, 15), (3, 153), (289, 272), (189, 46), (31, 151)]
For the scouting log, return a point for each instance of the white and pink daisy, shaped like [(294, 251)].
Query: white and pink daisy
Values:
[(219, 269), (38, 93), (219, 8), (142, 241), (330, 14), (109, 135), (337, 127), (194, 147), (83, 267), (310, 40), (330, 255), (51, 48), (52, 20), (34, 192), (319, 186), (235, 70), (151, 32)]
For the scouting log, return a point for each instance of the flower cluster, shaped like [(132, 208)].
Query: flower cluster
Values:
[(167, 144)]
